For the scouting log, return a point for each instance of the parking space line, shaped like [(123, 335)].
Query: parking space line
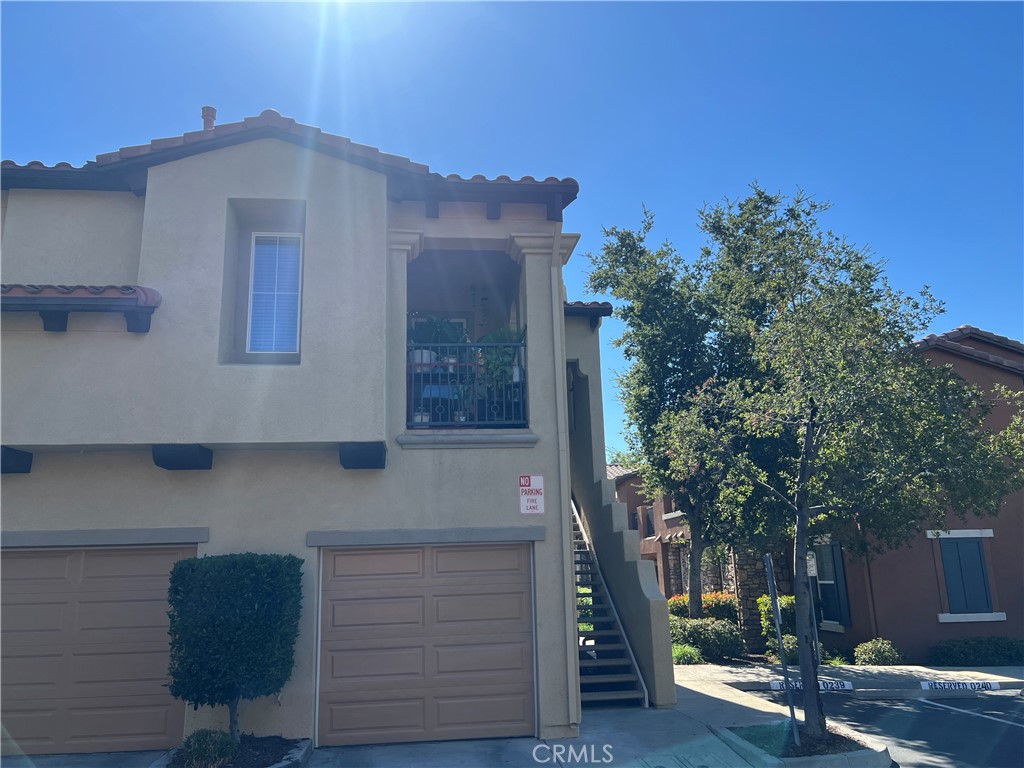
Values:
[(968, 712)]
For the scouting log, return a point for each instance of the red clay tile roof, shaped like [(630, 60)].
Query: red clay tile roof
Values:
[(144, 297), (618, 471), (949, 342), (587, 308), (104, 172)]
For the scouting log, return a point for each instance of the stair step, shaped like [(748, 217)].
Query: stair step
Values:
[(623, 662), (599, 633), (611, 695), (598, 620), (589, 679), (602, 647)]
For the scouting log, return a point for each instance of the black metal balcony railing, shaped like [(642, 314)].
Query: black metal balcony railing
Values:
[(466, 385)]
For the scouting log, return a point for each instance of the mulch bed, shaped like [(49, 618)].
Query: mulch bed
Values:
[(777, 740), (253, 752)]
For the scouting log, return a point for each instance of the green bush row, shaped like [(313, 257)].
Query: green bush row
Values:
[(978, 652), (716, 639), (717, 605)]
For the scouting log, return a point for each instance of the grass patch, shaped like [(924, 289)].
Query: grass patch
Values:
[(777, 740)]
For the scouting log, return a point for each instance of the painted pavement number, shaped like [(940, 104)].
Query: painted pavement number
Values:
[(959, 685), (823, 685)]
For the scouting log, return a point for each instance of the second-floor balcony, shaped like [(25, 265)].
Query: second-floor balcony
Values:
[(464, 385)]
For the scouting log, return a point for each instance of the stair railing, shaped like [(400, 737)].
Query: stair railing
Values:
[(608, 596)]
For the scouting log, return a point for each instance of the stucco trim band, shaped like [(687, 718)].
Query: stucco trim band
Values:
[(468, 440), (963, 618), (424, 536), (103, 537)]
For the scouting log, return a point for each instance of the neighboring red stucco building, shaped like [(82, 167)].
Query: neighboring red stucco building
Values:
[(968, 582)]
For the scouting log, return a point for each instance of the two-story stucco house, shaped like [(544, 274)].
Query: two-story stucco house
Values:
[(262, 337)]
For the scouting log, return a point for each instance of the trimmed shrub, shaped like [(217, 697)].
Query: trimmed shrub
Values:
[(233, 624), (686, 654), (717, 605), (978, 652), (679, 605), (788, 645), (207, 748), (787, 607), (877, 653), (714, 638)]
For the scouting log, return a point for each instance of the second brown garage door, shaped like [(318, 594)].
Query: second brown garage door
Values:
[(85, 650), (426, 643)]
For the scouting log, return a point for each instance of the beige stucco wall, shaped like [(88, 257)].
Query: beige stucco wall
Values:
[(90, 402), (267, 501), (631, 581), (70, 237)]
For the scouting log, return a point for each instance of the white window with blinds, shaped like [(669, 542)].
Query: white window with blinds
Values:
[(275, 293)]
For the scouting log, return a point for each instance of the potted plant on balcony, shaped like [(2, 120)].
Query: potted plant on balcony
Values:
[(434, 330), (500, 361)]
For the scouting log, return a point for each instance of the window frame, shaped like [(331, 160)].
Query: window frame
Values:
[(274, 355)]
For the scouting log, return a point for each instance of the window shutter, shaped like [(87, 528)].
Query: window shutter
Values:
[(963, 562), (844, 598)]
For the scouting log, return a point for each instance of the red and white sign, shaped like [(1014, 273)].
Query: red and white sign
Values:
[(531, 494)]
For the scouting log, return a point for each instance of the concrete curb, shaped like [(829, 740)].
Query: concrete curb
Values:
[(888, 692), (876, 755), (296, 758)]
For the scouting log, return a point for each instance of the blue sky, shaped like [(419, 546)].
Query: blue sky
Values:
[(908, 117)]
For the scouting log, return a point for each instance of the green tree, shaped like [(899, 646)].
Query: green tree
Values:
[(882, 442), (671, 342), (233, 623)]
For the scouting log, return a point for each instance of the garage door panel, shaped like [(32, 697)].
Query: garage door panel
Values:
[(433, 646), (352, 565), (367, 666), (34, 571), (27, 621), (370, 719), (484, 657), (85, 669), (462, 562)]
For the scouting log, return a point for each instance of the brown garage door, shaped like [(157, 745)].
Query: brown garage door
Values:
[(85, 650), (426, 643)]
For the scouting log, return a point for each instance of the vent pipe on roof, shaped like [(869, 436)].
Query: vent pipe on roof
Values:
[(209, 116)]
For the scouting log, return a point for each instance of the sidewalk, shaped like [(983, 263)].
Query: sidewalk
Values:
[(867, 682)]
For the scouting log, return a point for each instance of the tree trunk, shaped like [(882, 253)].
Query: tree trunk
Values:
[(694, 592), (814, 716), (233, 718)]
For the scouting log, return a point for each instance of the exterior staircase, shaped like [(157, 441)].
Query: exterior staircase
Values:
[(608, 672)]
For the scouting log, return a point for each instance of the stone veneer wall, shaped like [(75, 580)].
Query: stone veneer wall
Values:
[(751, 582)]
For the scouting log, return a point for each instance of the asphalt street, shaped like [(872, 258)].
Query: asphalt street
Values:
[(982, 732)]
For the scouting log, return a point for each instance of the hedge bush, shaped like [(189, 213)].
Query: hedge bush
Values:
[(787, 607), (978, 652), (717, 605), (789, 646), (716, 639), (233, 624), (206, 748), (686, 654), (877, 653)]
